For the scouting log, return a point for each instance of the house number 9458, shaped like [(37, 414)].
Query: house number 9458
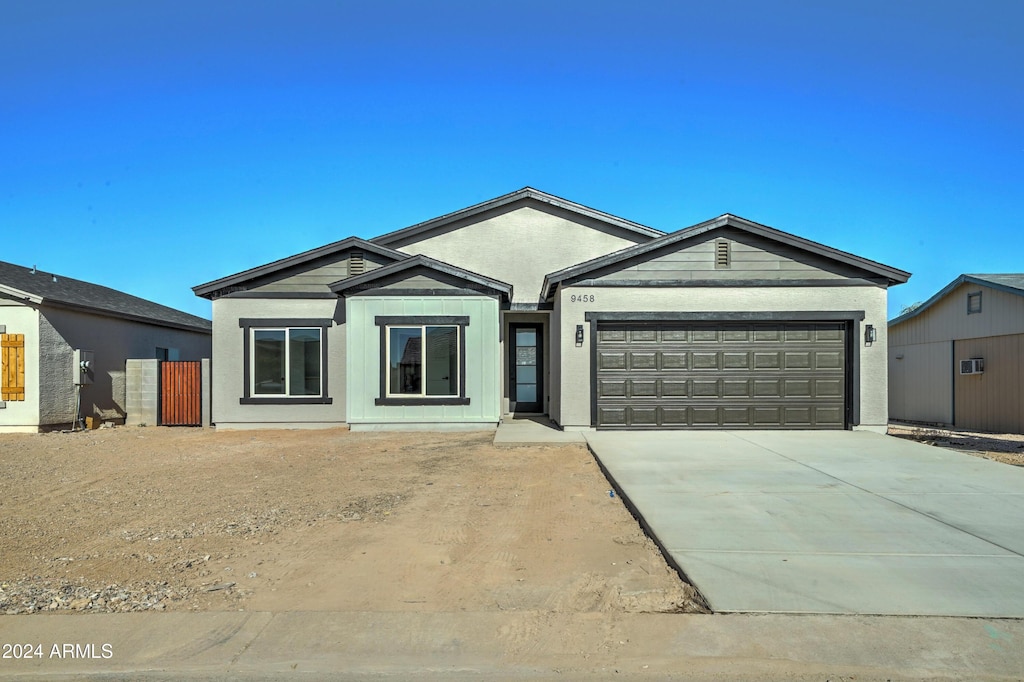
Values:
[(581, 298)]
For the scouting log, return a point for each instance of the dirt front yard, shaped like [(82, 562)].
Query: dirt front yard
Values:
[(130, 519)]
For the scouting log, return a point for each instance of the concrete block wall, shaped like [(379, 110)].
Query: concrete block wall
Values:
[(142, 392)]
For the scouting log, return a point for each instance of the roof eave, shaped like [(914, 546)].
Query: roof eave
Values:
[(505, 199), (209, 288), (892, 275), (344, 285), (942, 293), (20, 295)]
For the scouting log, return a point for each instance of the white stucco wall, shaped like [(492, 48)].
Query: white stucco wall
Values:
[(572, 399), (23, 415), (228, 364)]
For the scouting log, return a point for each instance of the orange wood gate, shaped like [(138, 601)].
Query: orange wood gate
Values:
[(180, 393)]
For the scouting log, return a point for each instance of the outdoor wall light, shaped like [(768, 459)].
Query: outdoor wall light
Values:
[(870, 334), (579, 335)]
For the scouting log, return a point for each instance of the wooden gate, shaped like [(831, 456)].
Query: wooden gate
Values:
[(180, 393)]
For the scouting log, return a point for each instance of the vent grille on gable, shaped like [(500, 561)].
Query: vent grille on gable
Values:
[(721, 254), (356, 264)]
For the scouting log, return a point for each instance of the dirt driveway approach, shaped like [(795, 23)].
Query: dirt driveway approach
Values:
[(142, 519)]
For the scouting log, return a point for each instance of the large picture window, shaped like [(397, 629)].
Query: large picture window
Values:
[(423, 361), (285, 361)]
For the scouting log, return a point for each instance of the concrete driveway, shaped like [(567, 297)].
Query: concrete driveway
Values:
[(827, 521)]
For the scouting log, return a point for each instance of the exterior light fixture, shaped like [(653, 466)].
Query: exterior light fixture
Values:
[(870, 334), (579, 335)]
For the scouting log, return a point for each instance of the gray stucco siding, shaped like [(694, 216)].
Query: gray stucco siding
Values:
[(112, 341), (572, 399), (521, 246), (482, 364), (228, 367)]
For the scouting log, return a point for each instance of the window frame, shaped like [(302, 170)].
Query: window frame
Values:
[(387, 322), (973, 295), (252, 325)]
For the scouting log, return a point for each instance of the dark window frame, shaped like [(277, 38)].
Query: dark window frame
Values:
[(386, 321), (248, 324)]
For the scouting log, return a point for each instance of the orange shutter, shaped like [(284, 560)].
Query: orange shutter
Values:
[(12, 366)]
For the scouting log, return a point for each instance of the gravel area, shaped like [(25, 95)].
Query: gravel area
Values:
[(1001, 447)]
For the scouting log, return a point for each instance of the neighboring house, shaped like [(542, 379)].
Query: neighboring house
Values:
[(978, 317), (529, 303), (46, 318)]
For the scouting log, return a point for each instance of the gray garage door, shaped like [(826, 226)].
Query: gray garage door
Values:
[(763, 376)]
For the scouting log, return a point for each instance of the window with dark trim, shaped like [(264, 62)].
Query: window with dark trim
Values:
[(285, 361), (422, 360), (974, 302)]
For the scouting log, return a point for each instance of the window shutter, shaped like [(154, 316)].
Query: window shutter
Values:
[(12, 360)]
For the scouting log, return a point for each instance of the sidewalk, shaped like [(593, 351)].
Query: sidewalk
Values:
[(524, 645)]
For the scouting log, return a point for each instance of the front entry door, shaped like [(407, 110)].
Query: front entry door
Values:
[(526, 389)]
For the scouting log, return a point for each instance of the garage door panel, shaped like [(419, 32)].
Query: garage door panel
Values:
[(611, 388), (612, 416), (728, 376), (674, 360), (643, 360), (828, 360), (643, 388), (674, 389), (735, 416), (735, 360), (703, 360), (643, 415), (705, 388), (674, 417), (704, 416), (611, 360)]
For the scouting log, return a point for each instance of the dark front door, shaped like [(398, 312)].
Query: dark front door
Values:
[(526, 390)]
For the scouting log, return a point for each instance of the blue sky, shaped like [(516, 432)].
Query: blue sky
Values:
[(152, 146)]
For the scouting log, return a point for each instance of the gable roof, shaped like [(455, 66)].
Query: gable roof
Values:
[(420, 261), (209, 289), (1012, 283), (41, 288), (421, 229), (552, 280)]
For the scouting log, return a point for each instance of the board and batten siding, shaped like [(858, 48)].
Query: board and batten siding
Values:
[(994, 399), (921, 382), (364, 358), (1001, 313), (925, 350), (750, 258)]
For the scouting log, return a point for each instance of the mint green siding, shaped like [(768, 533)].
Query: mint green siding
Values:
[(363, 359)]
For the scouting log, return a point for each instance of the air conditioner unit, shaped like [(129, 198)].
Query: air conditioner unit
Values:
[(972, 366)]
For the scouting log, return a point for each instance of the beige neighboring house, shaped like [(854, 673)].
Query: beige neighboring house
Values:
[(48, 320), (958, 359), (532, 304)]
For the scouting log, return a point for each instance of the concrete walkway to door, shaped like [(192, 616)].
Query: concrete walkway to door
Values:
[(827, 521)]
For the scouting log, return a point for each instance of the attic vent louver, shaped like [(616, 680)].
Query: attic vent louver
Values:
[(356, 264), (721, 254)]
